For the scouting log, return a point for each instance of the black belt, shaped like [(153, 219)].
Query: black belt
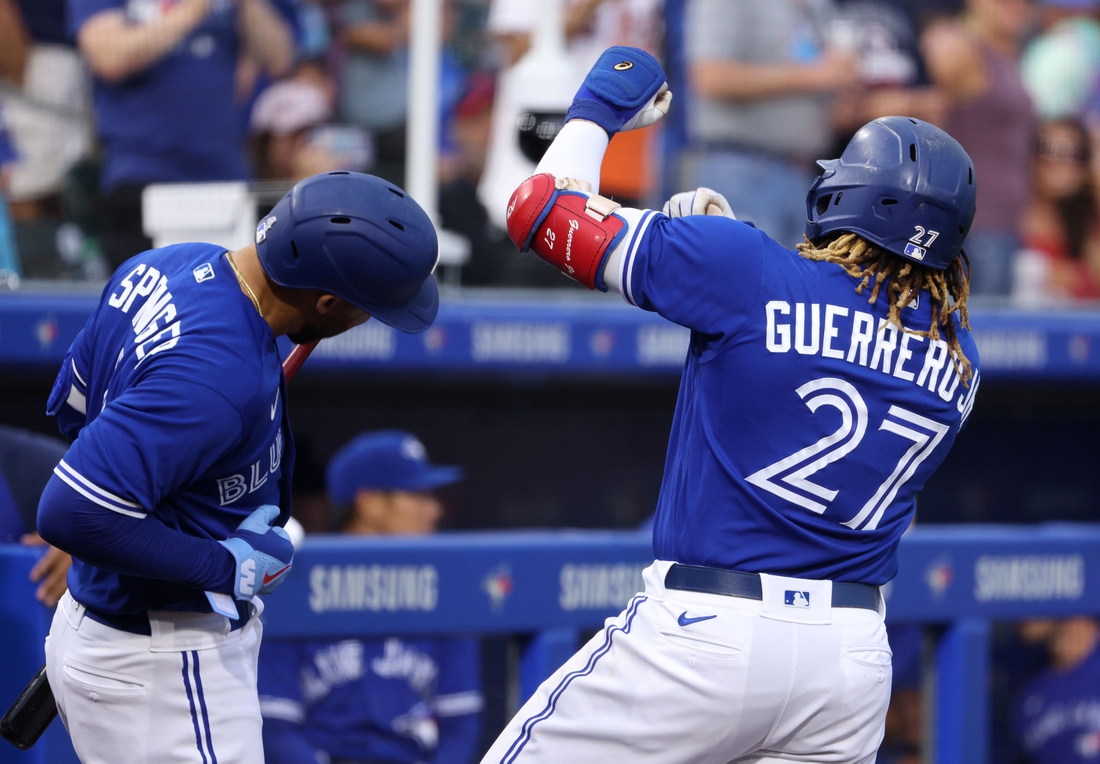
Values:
[(734, 583), (138, 623)]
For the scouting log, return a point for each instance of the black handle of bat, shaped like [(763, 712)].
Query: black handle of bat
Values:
[(30, 714)]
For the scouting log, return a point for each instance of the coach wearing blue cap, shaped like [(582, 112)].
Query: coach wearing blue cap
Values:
[(382, 482), (391, 700)]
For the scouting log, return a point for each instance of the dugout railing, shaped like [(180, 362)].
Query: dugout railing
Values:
[(555, 584)]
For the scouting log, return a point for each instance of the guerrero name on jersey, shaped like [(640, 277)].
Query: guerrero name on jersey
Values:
[(157, 390), (809, 462)]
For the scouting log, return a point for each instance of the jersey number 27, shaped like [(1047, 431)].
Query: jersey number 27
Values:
[(790, 478)]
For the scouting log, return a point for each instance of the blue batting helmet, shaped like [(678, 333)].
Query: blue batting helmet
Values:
[(357, 237), (902, 184)]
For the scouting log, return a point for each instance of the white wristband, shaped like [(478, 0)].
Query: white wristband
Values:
[(577, 152)]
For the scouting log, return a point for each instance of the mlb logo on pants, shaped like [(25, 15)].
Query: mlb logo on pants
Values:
[(793, 598)]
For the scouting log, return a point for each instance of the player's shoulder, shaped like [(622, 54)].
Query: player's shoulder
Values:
[(184, 311)]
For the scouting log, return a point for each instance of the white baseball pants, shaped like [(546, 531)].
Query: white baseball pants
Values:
[(683, 677), (185, 694)]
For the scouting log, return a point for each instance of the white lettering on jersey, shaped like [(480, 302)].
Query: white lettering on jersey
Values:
[(232, 488), (126, 285), (884, 348), (778, 336), (789, 478), (155, 326), (800, 328), (886, 342), (401, 661), (831, 331)]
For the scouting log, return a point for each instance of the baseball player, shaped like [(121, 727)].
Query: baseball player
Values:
[(171, 498), (395, 700), (1056, 716), (822, 387)]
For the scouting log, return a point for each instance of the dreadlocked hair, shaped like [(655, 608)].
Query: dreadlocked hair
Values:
[(904, 280)]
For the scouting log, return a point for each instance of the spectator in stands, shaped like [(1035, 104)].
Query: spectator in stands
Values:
[(27, 461), (49, 115), (973, 60), (883, 40), (590, 27), (291, 140), (9, 257), (1062, 221), (1061, 65), (165, 100), (375, 73), (363, 701), (1056, 717), (761, 78)]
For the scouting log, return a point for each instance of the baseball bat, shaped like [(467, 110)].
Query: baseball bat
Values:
[(34, 709)]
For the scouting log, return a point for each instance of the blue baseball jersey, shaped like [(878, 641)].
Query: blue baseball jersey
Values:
[(1057, 716), (395, 700), (175, 395), (806, 423)]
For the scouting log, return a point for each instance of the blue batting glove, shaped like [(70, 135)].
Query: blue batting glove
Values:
[(626, 89), (263, 553)]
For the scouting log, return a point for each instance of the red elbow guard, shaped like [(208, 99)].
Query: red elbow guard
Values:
[(572, 231)]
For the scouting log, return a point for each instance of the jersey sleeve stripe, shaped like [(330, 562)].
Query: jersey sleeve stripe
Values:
[(76, 374), (93, 498), (105, 494), (77, 400), (95, 493), (628, 266), (282, 708), (459, 703)]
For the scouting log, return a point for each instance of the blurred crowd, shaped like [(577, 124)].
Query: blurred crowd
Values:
[(101, 98)]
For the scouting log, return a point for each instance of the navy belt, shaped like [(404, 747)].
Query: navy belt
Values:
[(734, 583), (138, 623)]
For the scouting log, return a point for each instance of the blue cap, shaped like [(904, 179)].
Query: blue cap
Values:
[(387, 460)]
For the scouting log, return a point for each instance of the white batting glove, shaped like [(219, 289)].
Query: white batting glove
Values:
[(652, 112), (701, 201)]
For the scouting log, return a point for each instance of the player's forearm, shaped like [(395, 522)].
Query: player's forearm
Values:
[(737, 81), (129, 545), (577, 152), (266, 36), (116, 49)]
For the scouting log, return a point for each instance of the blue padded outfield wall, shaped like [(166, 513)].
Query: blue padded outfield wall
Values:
[(554, 583), (601, 335)]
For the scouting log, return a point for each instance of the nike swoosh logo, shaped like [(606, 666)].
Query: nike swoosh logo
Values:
[(274, 406), (683, 620), (269, 577)]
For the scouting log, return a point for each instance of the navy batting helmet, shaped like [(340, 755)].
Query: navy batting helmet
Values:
[(357, 237), (902, 184)]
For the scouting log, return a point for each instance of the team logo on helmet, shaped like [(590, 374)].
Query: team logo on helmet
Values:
[(262, 229)]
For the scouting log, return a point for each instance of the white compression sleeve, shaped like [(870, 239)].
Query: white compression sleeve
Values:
[(577, 152)]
